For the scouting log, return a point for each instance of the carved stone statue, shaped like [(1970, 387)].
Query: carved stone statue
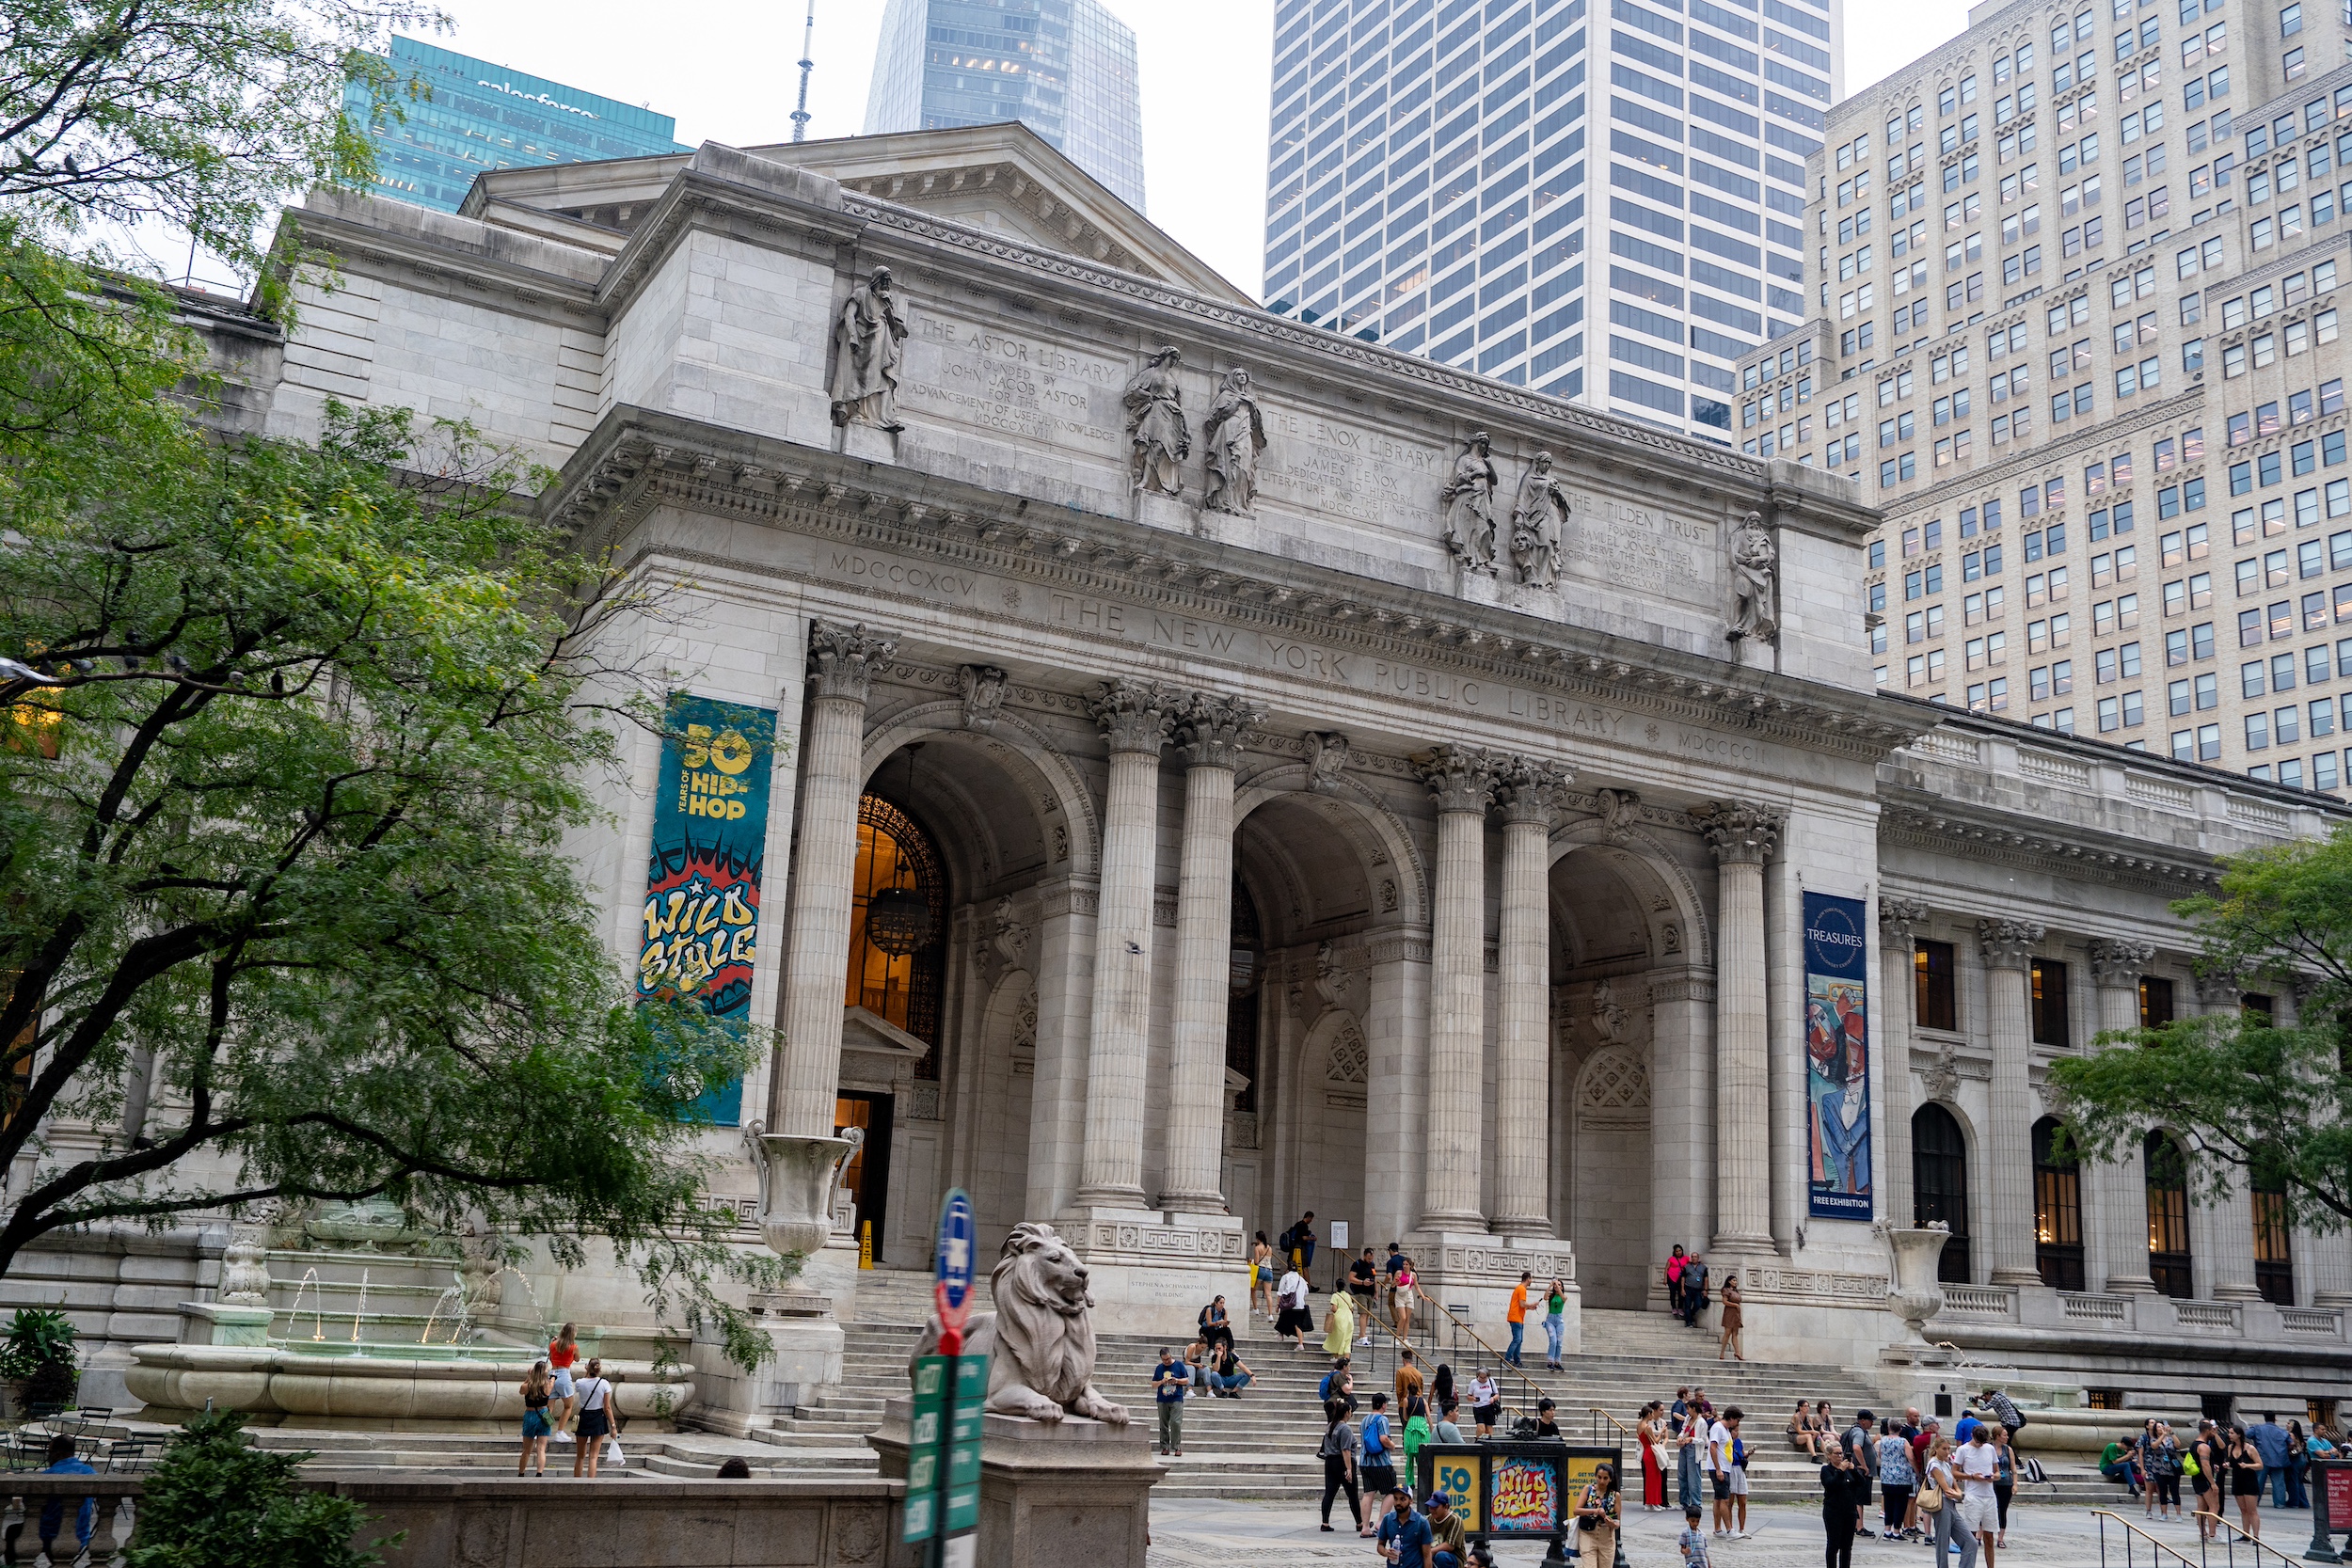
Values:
[(1040, 1341), (1234, 435), (1754, 582), (983, 687), (1537, 521), (1327, 759), (245, 1265), (1157, 438), (1620, 813), (869, 339), (1609, 1014), (1468, 498)]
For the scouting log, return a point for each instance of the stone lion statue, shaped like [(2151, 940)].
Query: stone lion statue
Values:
[(1040, 1339)]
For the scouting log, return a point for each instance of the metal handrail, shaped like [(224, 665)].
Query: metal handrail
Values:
[(1600, 1416), (2229, 1546), (2157, 1550), (1464, 1330)]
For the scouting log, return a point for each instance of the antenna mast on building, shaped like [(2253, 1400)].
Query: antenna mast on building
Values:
[(808, 35)]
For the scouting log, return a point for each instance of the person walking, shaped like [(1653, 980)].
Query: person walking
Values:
[(1409, 1378), (2246, 1482), (1731, 1322), (1380, 1449), (1338, 1383), (2004, 1481), (1339, 1324), (1516, 1315), (1295, 1322), (1363, 1278), (1650, 1432), (1693, 1290), (1898, 1483), (538, 1392), (1418, 1431), (1597, 1517), (1486, 1403), (1555, 1323), (1261, 1275), (1338, 1453), (1979, 1507), (1939, 1499), (1169, 1381), (2271, 1442), (1405, 1292), (1389, 1267), (1443, 1397), (1675, 1262), (1298, 1244), (595, 1419), (1839, 1505)]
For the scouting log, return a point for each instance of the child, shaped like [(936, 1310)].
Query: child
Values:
[(1693, 1539)]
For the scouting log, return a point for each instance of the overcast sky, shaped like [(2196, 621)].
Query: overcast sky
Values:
[(725, 70)]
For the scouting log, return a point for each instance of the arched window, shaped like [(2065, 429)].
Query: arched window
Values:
[(894, 852), (2167, 1216), (2274, 1262), (2057, 1210), (1939, 1185), (1241, 1011)]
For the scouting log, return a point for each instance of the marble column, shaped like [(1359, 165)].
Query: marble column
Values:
[(841, 662), (2232, 1222), (1462, 781), (1743, 838), (2119, 1187), (1134, 718), (1899, 923), (2007, 1142), (1396, 1029), (1210, 736), (1531, 797), (1064, 956)]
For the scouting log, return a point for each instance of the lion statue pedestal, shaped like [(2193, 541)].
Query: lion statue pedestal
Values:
[(1065, 1476)]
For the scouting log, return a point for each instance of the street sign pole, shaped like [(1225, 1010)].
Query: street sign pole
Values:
[(949, 1486)]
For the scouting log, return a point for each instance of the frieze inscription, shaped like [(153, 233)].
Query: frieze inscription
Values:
[(1640, 548)]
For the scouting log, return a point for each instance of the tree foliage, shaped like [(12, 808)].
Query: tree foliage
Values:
[(203, 113), (216, 1500), (2258, 1102)]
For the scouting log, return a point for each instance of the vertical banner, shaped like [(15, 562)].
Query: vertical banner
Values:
[(702, 879), (1838, 1056)]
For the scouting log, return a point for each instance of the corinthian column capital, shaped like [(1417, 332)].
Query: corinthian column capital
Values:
[(1135, 715), (1212, 729), (2224, 990), (1899, 918), (1740, 832), (1460, 778), (2008, 943), (2118, 965), (842, 659), (1531, 789)]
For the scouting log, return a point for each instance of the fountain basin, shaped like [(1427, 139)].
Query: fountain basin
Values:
[(340, 1384)]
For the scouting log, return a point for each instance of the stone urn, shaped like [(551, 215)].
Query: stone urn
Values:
[(1913, 1294), (796, 1177)]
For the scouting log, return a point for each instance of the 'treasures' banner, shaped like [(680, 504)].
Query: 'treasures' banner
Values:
[(1838, 1056), (702, 879)]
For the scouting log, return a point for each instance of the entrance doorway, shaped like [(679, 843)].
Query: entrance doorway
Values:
[(868, 1176)]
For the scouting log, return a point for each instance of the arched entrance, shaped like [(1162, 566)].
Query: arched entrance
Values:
[(1939, 1185)]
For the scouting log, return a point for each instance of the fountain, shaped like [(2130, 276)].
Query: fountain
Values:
[(456, 1321)]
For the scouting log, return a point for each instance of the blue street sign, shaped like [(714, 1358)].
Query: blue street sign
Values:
[(954, 1261)]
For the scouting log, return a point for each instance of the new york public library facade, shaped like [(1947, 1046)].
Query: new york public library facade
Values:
[(1309, 798)]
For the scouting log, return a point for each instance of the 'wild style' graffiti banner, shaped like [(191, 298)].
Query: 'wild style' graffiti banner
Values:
[(1838, 1056), (702, 879)]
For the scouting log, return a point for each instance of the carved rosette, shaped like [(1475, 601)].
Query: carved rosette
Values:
[(1531, 789), (1135, 715), (1460, 778), (1211, 731), (983, 687), (1899, 919), (842, 659), (1739, 832), (2118, 965), (2008, 943)]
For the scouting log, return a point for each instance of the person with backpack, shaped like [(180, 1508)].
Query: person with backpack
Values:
[(1338, 1452), (1295, 1321), (1380, 1449)]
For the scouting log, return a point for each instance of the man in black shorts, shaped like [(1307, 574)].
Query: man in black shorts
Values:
[(1361, 1278)]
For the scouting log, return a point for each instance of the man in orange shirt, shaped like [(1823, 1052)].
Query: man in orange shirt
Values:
[(1517, 1317)]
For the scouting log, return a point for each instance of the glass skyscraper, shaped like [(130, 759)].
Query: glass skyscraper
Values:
[(482, 116), (1064, 67), (1426, 187)]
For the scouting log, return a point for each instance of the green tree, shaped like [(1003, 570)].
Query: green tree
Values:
[(295, 738), (2258, 1102), (215, 1500)]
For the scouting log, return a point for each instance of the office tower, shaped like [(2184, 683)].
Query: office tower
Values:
[(482, 116), (1426, 187), (2076, 335), (1064, 67)]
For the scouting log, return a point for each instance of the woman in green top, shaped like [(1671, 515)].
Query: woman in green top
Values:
[(1417, 1435), (1556, 1327)]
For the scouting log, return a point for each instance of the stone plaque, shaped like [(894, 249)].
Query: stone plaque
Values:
[(1330, 468), (1641, 548), (1015, 382)]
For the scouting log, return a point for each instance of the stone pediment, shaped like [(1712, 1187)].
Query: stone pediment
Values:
[(869, 1034)]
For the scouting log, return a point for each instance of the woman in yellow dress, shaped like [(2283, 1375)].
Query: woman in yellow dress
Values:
[(1339, 1326)]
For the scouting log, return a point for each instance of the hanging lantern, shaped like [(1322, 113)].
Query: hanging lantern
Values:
[(898, 921)]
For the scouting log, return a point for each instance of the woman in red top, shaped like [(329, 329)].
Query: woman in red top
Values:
[(561, 1352)]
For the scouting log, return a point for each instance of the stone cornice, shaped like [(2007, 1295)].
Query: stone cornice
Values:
[(637, 460), (1947, 826), (698, 198), (458, 273)]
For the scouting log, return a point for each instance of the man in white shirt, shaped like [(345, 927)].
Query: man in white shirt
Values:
[(1295, 1320), (1721, 1440), (1979, 1509)]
